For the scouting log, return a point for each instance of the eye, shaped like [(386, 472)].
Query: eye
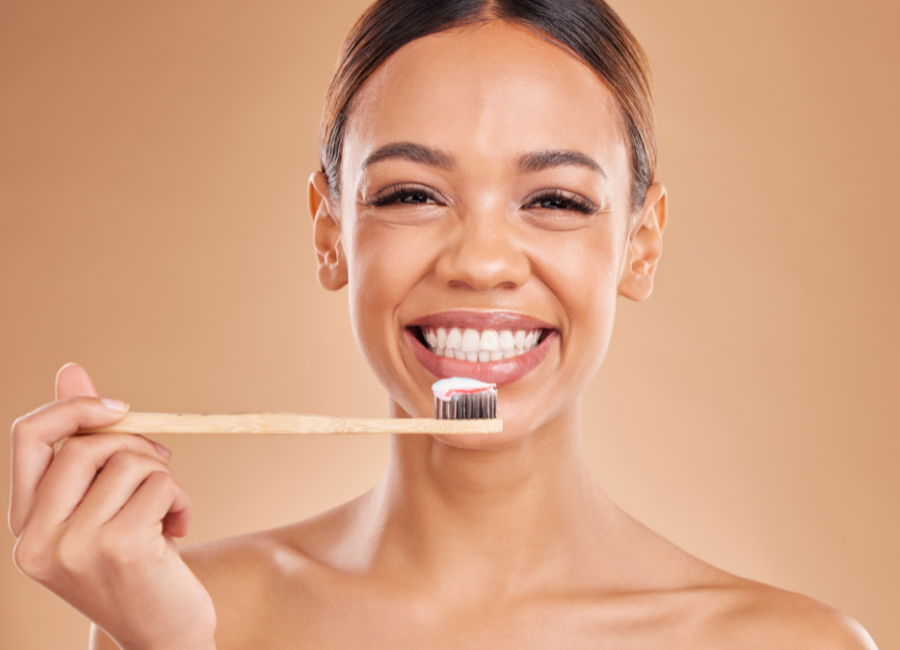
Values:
[(561, 200), (404, 194)]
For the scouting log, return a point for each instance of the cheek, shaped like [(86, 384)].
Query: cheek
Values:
[(385, 263), (582, 273)]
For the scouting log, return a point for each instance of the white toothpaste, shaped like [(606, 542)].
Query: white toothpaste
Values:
[(444, 389)]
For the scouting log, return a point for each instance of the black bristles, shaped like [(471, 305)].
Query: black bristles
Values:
[(467, 406)]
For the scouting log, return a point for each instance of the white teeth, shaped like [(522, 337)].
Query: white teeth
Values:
[(471, 345), (519, 339), (529, 339), (471, 341), (490, 340)]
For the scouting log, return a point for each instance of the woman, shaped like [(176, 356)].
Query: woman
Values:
[(485, 166)]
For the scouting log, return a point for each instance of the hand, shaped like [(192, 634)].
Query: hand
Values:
[(94, 522)]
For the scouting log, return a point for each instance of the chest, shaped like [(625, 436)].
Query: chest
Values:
[(358, 621)]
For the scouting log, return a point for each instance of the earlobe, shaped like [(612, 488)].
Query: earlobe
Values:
[(332, 263), (644, 247)]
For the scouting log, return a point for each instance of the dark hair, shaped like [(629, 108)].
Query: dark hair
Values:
[(590, 29)]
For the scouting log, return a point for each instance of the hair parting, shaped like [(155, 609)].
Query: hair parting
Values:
[(589, 29)]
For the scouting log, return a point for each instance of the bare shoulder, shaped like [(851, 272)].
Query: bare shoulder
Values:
[(753, 615), (244, 576), (708, 607), (260, 580), (240, 567)]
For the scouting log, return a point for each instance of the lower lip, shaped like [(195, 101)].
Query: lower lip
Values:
[(500, 372)]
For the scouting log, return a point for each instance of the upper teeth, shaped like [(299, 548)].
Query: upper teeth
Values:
[(472, 345)]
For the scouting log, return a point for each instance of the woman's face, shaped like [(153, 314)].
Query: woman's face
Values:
[(485, 184)]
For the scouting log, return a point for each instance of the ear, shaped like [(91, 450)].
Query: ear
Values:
[(645, 246), (332, 273)]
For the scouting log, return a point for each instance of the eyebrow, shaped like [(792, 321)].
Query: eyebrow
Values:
[(540, 160), (417, 153), (534, 161)]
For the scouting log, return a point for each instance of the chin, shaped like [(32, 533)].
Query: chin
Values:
[(510, 437)]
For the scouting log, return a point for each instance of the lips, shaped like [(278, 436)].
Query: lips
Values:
[(516, 362), (488, 320)]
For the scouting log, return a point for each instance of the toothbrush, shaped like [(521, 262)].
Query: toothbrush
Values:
[(462, 406), (460, 398)]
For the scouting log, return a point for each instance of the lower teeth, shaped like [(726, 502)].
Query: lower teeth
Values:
[(482, 356)]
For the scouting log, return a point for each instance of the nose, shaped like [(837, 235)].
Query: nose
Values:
[(482, 254)]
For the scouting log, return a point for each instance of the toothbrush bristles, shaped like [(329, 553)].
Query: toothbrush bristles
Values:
[(467, 406)]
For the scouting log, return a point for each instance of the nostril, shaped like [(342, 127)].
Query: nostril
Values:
[(484, 264)]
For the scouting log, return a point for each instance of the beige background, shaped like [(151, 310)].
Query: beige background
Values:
[(153, 160)]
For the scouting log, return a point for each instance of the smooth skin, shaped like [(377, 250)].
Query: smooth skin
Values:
[(504, 541)]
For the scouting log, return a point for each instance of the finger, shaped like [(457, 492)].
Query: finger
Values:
[(33, 437), (73, 381), (159, 501), (75, 468), (116, 483)]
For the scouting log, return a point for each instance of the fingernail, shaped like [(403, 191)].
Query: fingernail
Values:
[(163, 450), (114, 404)]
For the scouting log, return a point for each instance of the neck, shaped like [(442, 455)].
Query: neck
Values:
[(495, 516)]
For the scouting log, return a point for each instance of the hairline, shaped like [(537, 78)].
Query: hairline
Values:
[(627, 128)]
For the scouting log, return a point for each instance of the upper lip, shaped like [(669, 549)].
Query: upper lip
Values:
[(481, 320)]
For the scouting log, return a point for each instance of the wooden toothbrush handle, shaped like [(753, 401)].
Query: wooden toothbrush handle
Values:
[(290, 423)]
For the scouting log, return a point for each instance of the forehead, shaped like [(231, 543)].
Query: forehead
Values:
[(491, 90)]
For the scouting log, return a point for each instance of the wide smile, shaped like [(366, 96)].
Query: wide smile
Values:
[(494, 347)]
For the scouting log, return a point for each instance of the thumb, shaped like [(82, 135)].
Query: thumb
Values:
[(73, 381)]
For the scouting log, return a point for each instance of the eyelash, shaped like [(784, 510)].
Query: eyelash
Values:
[(395, 193), (567, 201)]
